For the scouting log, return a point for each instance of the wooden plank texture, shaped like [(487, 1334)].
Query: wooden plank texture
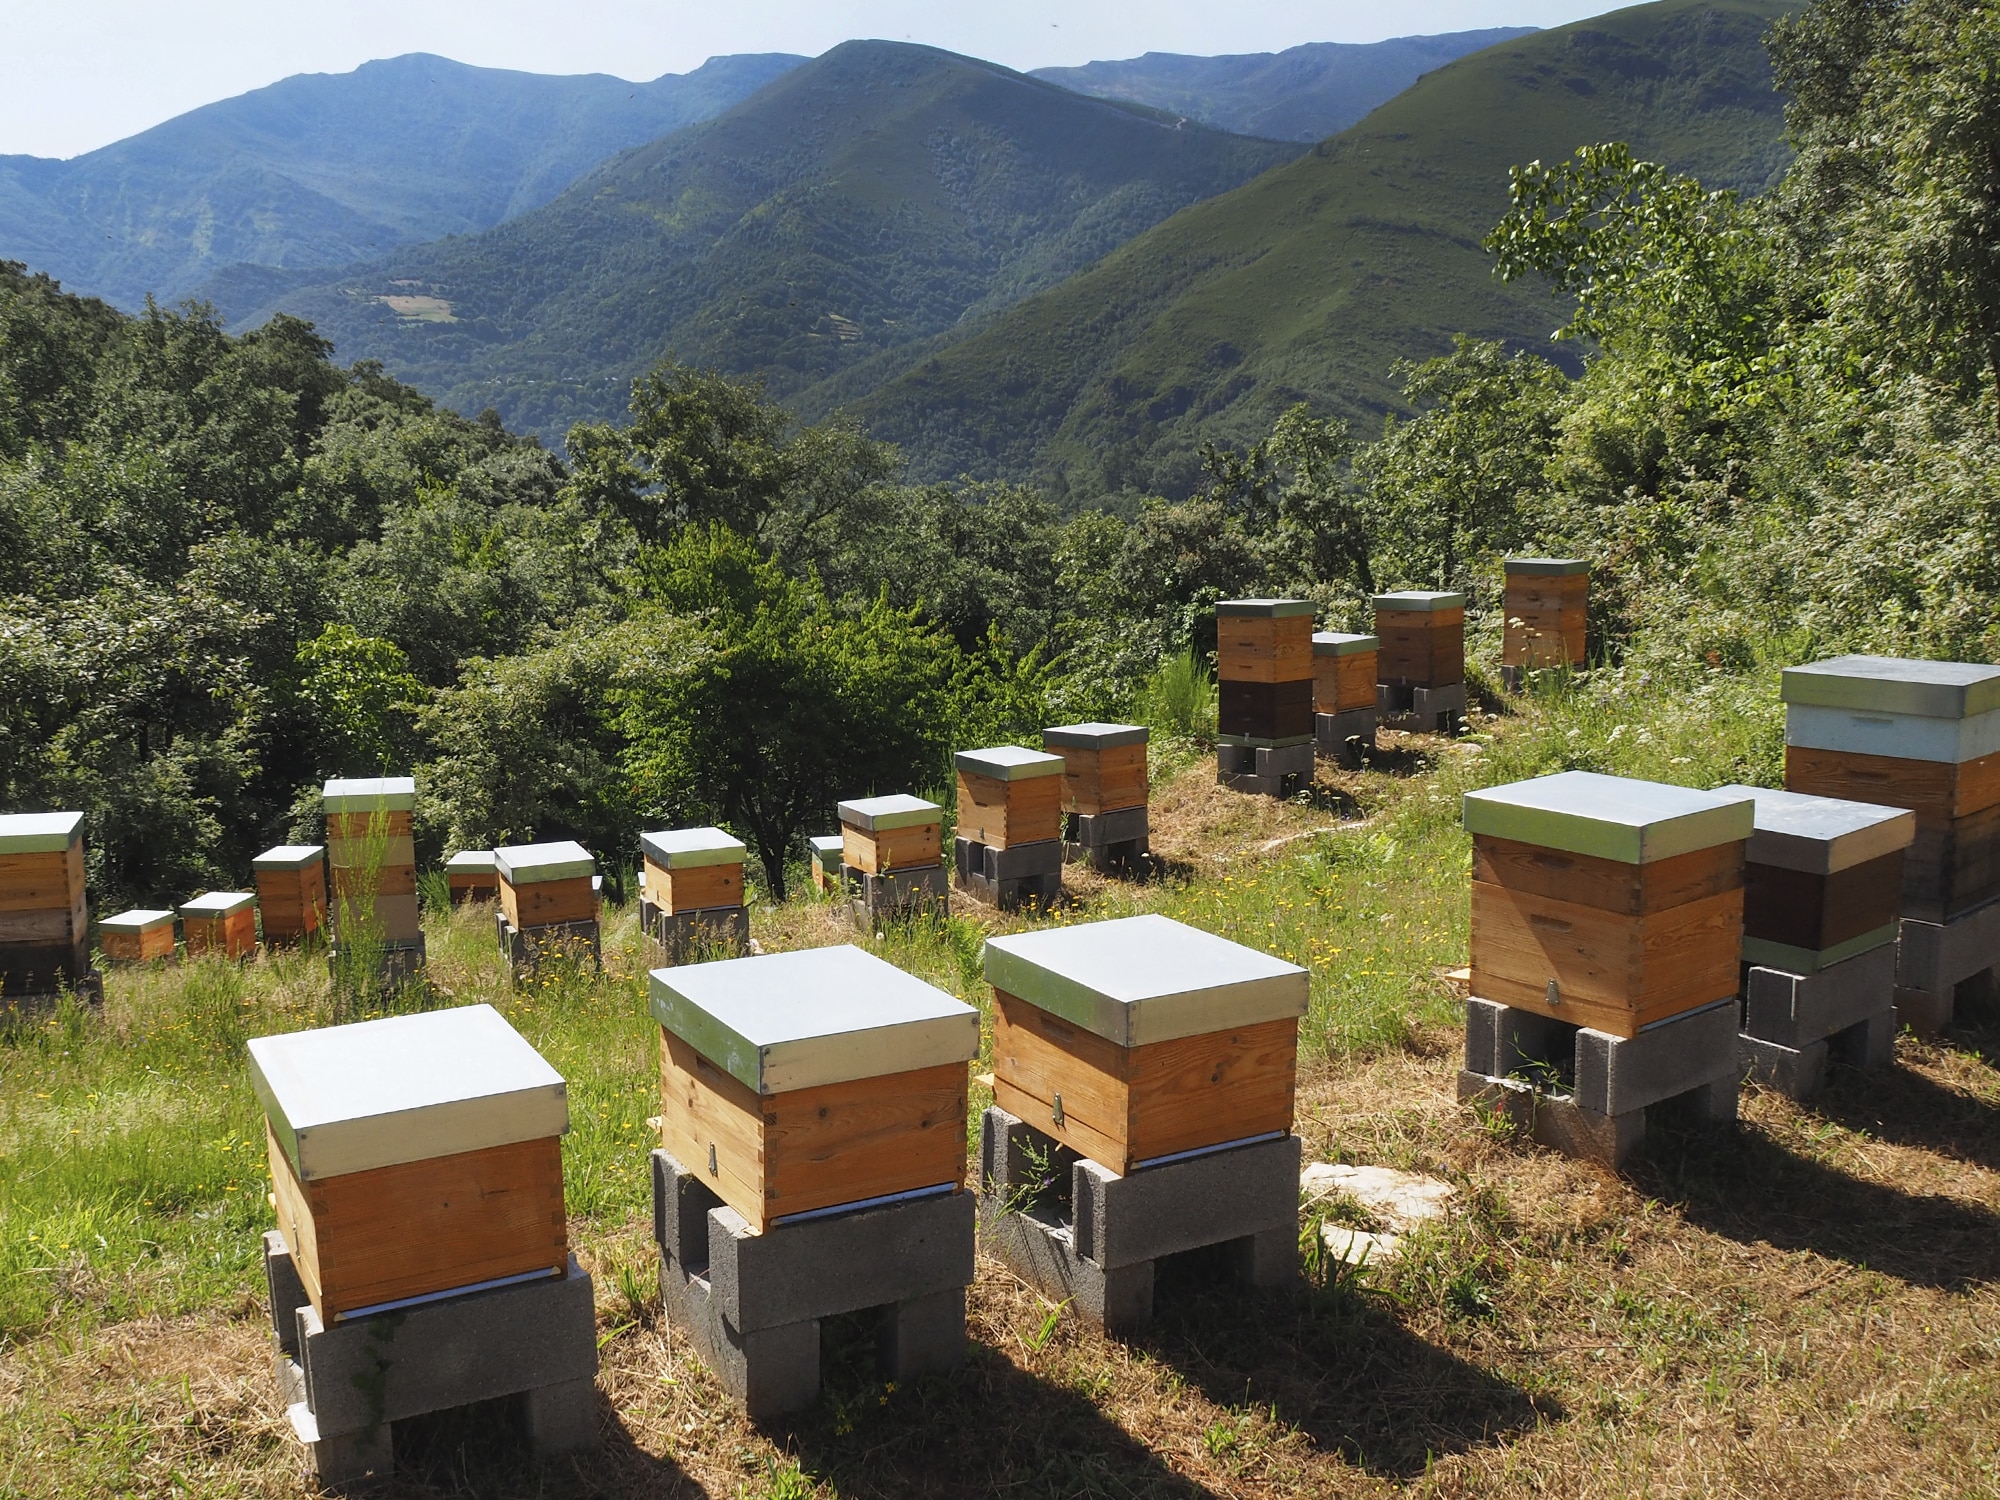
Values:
[(292, 902), (368, 825), (1936, 791), (137, 947), (701, 888), (541, 903), (1341, 683), (51, 881), (1821, 911), (1526, 592), (1100, 781), (1426, 650), (1000, 814), (1610, 884), (424, 1226), (232, 936), (385, 880), (1263, 648), (913, 848), (1265, 710)]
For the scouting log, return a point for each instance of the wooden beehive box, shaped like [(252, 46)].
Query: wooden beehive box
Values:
[(1547, 602), (469, 876), (1137, 1039), (693, 869), (1421, 638), (1009, 795), (412, 1157), (882, 834), (1264, 669), (223, 922), (291, 891), (44, 921), (544, 884), (1824, 878), (1343, 672), (1104, 766), (826, 852), (372, 856), (135, 937), (1921, 735), (1606, 902), (824, 1078)]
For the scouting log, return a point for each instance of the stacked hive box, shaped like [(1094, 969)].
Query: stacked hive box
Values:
[(1547, 601), (44, 922), (291, 891), (1344, 678), (221, 922), (813, 1124), (1105, 789), (1607, 932), (1420, 657), (421, 1260), (1819, 935), (825, 854), (469, 876), (694, 891), (136, 937), (1264, 712), (548, 902), (892, 856), (1156, 1064), (1925, 736), (1010, 822), (373, 857)]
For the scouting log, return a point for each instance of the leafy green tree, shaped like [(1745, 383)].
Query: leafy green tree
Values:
[(363, 697)]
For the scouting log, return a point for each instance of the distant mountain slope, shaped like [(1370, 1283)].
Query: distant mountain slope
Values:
[(1306, 284), (321, 170), (1301, 94), (875, 196)]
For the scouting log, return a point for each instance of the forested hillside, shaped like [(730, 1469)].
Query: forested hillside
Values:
[(321, 170), (874, 197), (1303, 93)]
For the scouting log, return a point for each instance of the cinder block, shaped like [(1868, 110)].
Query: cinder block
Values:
[(1345, 738), (1796, 1072), (924, 1335), (1043, 891), (287, 1293), (678, 936), (343, 1458), (1866, 1045), (1616, 1075), (1939, 956), (561, 1418), (1564, 1125), (1426, 710), (920, 891), (1796, 1009), (1099, 830), (1016, 862), (1502, 1042), (1265, 770), (525, 947), (398, 964), (1923, 1011), (1118, 1300)]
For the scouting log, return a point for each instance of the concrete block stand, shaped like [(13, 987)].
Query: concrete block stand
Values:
[(346, 1387), (1113, 842), (1589, 1094), (526, 947), (896, 896), (1794, 1024), (1265, 770), (1439, 710), (1019, 875), (1347, 738), (1938, 964), (1099, 1250), (399, 964), (676, 937), (751, 1303)]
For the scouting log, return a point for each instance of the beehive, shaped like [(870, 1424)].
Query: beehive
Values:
[(1344, 672), (1547, 603), (372, 856), (811, 1080), (1264, 670), (414, 1156), (542, 885), (291, 891), (1824, 878), (135, 937), (223, 922), (1135, 1040), (1009, 795), (826, 852), (469, 876), (1606, 902), (1921, 735), (1104, 766), (693, 869), (884, 834), (44, 922), (1421, 638)]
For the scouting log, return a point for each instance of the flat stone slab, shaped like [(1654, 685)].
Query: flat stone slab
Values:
[(1403, 1198)]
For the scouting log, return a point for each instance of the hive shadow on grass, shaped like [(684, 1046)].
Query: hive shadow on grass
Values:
[(1905, 1108), (483, 1450), (1334, 1365), (1747, 1187)]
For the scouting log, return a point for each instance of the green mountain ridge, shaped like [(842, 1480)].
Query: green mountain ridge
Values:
[(875, 197), (1309, 282), (320, 170)]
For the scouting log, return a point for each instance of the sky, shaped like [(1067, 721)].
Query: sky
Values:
[(79, 74)]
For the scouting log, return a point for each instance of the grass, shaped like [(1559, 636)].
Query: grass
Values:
[(1805, 1306)]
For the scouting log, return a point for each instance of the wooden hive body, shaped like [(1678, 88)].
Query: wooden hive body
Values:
[(543, 885), (469, 876), (44, 918), (1422, 639), (371, 856), (813, 1080), (1264, 669), (1009, 795), (1344, 672), (291, 891), (1547, 608), (884, 834), (693, 869), (1824, 878), (372, 1220), (137, 936), (826, 853), (1605, 902), (1104, 766), (222, 922), (1143, 1038)]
